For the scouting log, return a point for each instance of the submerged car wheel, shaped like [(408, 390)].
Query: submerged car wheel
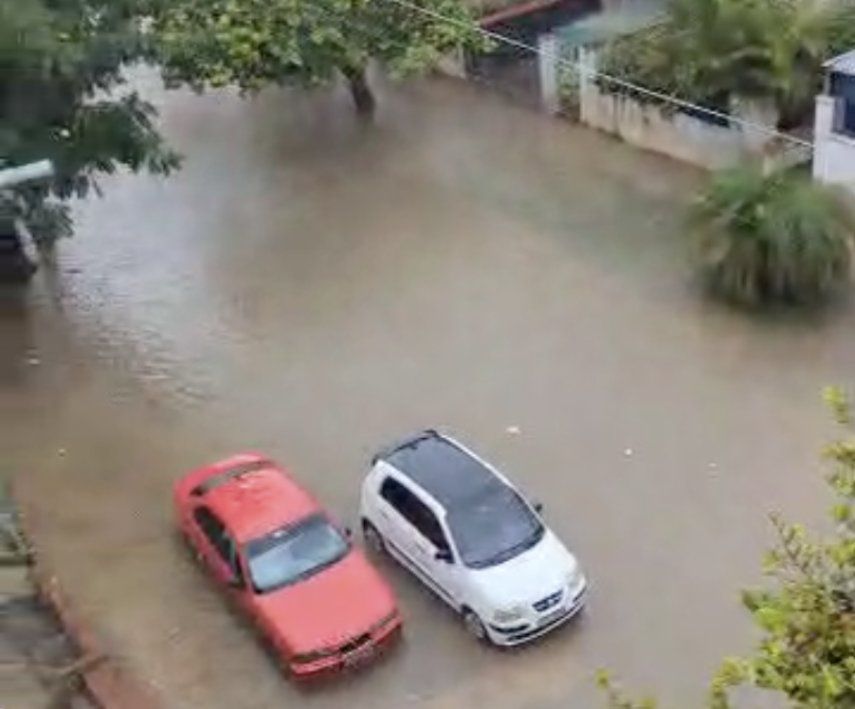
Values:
[(474, 625), (373, 538)]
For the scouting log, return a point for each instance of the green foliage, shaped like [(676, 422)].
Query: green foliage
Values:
[(711, 51), (251, 43), (779, 237), (615, 697), (61, 60), (569, 93), (807, 619), (840, 28), (646, 58)]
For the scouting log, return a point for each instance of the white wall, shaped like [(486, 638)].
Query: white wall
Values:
[(834, 154), (647, 126), (681, 136)]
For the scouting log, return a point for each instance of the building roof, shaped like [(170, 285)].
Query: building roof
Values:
[(441, 468), (844, 64), (507, 11)]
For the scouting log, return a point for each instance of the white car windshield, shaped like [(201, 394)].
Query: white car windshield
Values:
[(294, 553), (494, 527)]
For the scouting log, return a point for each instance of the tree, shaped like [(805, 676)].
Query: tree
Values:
[(714, 51), (251, 43), (62, 61), (840, 28), (807, 620), (777, 237)]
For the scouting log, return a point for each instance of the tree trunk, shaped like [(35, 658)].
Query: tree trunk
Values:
[(363, 99)]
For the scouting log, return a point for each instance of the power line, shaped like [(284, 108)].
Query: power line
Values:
[(586, 72)]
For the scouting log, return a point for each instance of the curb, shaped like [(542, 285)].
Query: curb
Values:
[(107, 684)]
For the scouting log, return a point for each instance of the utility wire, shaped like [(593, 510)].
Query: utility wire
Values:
[(586, 73)]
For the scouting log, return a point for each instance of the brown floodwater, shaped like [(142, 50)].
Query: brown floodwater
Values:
[(315, 287)]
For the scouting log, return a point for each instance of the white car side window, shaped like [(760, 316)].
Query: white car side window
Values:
[(412, 509)]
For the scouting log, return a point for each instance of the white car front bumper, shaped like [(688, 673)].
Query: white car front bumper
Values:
[(528, 629)]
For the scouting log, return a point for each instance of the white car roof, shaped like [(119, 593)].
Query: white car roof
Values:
[(442, 468)]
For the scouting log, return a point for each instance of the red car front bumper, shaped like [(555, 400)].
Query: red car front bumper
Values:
[(381, 639)]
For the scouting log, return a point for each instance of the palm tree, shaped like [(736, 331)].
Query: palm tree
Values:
[(716, 51), (778, 237)]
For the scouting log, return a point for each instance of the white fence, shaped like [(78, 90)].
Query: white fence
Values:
[(682, 136), (669, 130)]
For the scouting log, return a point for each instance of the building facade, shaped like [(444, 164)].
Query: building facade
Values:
[(834, 130)]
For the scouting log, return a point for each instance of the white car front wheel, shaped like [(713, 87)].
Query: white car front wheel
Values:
[(373, 539)]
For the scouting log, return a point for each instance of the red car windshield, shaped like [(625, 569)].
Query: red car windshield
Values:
[(294, 553)]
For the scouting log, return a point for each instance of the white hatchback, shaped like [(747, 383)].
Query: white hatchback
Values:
[(463, 529)]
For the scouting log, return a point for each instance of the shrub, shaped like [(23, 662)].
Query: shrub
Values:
[(772, 238)]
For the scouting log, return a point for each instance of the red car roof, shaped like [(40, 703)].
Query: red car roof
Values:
[(260, 501)]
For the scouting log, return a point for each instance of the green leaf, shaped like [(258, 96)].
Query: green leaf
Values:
[(250, 43), (56, 57)]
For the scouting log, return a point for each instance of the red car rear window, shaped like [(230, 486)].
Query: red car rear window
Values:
[(221, 478)]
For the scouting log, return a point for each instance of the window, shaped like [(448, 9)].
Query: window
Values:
[(404, 501), (843, 87), (396, 494), (493, 527), (237, 471), (416, 512), (429, 526), (216, 533), (220, 539), (294, 553), (234, 559)]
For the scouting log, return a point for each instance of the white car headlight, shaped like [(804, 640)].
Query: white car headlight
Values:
[(575, 578), (508, 615)]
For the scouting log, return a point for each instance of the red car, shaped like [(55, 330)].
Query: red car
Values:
[(291, 568)]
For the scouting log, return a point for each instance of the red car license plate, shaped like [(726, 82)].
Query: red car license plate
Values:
[(360, 656)]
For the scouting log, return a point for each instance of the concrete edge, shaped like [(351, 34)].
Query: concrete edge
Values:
[(108, 683)]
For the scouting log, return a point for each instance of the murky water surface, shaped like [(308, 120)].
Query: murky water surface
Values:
[(314, 288)]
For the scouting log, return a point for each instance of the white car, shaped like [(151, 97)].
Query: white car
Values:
[(463, 529)]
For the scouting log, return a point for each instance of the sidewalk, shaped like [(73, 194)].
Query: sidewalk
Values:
[(38, 662)]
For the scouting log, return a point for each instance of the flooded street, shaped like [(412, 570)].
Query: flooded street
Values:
[(314, 288)]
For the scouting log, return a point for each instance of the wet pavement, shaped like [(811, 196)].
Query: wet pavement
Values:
[(39, 664), (313, 287)]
